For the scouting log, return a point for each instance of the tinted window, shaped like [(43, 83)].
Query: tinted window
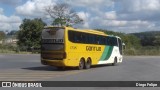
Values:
[(101, 40), (71, 36), (83, 38), (91, 39), (120, 45), (112, 41), (52, 39), (80, 37)]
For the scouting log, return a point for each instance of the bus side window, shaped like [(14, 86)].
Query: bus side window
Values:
[(85, 37), (120, 45), (90, 39), (77, 37), (97, 40), (100, 40), (108, 42), (82, 38), (71, 36), (114, 41), (103, 40)]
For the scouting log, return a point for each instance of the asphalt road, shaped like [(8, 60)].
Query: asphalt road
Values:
[(28, 67)]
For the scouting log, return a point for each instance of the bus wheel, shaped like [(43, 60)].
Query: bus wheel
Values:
[(88, 64), (115, 61), (81, 64)]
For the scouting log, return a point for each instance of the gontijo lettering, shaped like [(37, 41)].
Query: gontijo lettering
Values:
[(93, 48)]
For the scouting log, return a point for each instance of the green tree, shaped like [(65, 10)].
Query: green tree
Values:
[(156, 42), (29, 34), (134, 41), (2, 35), (63, 15), (13, 32)]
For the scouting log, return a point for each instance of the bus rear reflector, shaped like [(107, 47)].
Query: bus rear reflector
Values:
[(64, 55)]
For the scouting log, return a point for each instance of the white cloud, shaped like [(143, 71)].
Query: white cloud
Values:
[(92, 6), (139, 23), (11, 19), (140, 5), (126, 26), (119, 15), (102, 14), (106, 23), (126, 15), (111, 15), (139, 9), (34, 8), (9, 23), (140, 15), (89, 3), (115, 23), (85, 17), (151, 5)]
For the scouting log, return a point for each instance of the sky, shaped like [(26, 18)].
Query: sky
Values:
[(127, 16)]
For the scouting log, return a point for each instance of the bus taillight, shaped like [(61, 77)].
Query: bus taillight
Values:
[(64, 55)]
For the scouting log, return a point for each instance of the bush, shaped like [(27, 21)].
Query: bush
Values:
[(130, 52)]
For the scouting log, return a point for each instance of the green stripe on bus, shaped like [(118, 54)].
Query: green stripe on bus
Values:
[(106, 53)]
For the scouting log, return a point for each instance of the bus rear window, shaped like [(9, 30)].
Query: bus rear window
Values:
[(53, 35), (52, 39)]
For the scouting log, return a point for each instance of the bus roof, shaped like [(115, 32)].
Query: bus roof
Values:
[(87, 31), (113, 36), (84, 30), (79, 30)]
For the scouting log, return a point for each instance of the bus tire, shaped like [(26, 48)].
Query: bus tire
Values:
[(115, 62), (88, 64), (81, 64)]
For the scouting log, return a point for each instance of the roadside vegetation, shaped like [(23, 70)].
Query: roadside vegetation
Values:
[(143, 43)]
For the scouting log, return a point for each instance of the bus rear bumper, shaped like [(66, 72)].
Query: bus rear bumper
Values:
[(52, 62)]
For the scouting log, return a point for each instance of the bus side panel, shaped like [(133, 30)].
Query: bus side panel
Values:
[(106, 55), (110, 53), (76, 51)]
